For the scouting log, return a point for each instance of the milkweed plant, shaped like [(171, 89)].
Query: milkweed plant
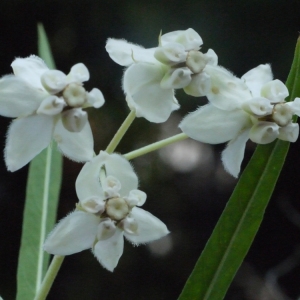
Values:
[(48, 108)]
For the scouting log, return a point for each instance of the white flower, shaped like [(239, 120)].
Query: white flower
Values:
[(153, 74), (107, 211), (252, 107), (46, 104)]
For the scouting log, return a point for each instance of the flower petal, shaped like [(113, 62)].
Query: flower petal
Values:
[(257, 77), (88, 180), (26, 138), (75, 233), (233, 155), (211, 125), (125, 53), (78, 146), (144, 93), (109, 251), (226, 92), (17, 98), (30, 69), (149, 229)]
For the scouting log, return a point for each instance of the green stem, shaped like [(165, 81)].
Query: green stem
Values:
[(156, 146), (120, 133), (49, 278)]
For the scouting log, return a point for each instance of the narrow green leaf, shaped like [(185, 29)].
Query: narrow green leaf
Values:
[(242, 216), (44, 47), (42, 193)]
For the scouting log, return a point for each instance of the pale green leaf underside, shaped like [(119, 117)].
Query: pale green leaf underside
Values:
[(42, 193)]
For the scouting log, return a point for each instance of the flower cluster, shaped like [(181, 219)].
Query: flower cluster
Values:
[(47, 104), (153, 74), (107, 211), (252, 107), (50, 104)]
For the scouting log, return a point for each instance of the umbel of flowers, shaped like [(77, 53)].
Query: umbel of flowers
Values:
[(252, 107), (153, 74), (108, 210), (47, 104)]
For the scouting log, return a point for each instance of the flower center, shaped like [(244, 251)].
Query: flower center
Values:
[(282, 114), (74, 95), (117, 208)]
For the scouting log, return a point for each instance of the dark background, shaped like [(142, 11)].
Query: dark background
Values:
[(186, 185)]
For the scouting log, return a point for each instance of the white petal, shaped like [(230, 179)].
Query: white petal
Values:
[(88, 180), (275, 91), (78, 73), (264, 132), (109, 251), (17, 98), (78, 146), (257, 77), (226, 92), (30, 69), (144, 93), (211, 125), (74, 233), (149, 229), (233, 155), (95, 98), (125, 53), (26, 138), (189, 38), (289, 133)]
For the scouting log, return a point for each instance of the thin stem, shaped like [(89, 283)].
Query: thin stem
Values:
[(49, 278), (120, 133), (156, 146)]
